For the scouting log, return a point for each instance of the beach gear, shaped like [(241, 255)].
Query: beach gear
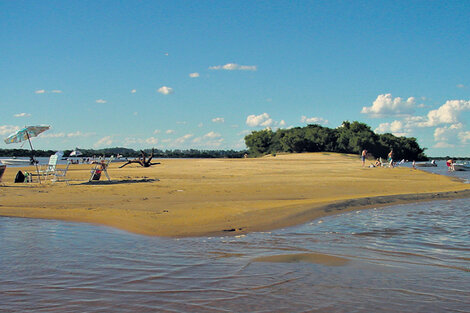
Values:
[(19, 178), (2, 170), (98, 168), (25, 134)]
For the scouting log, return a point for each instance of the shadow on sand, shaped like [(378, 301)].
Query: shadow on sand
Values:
[(117, 182)]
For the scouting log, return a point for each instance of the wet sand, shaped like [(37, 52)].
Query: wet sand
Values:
[(199, 197)]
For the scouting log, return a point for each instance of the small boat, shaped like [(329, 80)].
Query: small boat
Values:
[(426, 164), (14, 161), (461, 167)]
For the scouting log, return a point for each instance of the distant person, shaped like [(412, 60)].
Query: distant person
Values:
[(450, 165), (363, 157), (414, 164), (390, 158)]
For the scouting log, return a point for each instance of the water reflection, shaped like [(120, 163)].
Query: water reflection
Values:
[(412, 258)]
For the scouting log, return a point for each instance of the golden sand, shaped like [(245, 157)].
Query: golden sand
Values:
[(198, 197)]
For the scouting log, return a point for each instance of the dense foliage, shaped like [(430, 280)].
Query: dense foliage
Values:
[(129, 153), (348, 138)]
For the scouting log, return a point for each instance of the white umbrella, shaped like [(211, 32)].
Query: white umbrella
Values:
[(25, 134)]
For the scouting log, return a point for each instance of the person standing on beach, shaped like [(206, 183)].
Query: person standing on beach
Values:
[(390, 158), (363, 157)]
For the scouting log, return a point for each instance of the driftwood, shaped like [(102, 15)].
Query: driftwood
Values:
[(143, 161)]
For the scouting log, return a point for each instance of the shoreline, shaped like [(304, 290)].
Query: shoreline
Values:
[(209, 197)]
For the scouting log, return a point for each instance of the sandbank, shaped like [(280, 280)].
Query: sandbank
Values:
[(205, 197)]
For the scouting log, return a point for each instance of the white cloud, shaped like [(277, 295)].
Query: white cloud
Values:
[(152, 140), (40, 91), (164, 90), (56, 91), (133, 90), (398, 128), (8, 129), (282, 123), (211, 139), (169, 131), (52, 135), (105, 141), (234, 67), (100, 101), (313, 120), (157, 131), (460, 86), (22, 115), (200, 125), (262, 120), (182, 139), (386, 105), (181, 122), (443, 145), (194, 75), (80, 134), (218, 120), (448, 113), (464, 137), (447, 133), (212, 135)]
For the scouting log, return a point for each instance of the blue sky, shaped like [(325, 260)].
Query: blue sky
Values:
[(203, 74)]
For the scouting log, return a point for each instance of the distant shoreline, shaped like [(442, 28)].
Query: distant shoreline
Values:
[(207, 197)]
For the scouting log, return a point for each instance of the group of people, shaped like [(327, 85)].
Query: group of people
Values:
[(378, 162)]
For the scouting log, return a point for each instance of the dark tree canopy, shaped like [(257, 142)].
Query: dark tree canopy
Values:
[(350, 137)]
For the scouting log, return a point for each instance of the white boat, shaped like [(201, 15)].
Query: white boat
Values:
[(24, 162), (426, 164), (461, 167)]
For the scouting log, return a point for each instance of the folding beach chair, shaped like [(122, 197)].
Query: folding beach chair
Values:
[(100, 167), (45, 170), (60, 173), (2, 170)]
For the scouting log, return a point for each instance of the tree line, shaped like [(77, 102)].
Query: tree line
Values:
[(129, 153), (348, 138)]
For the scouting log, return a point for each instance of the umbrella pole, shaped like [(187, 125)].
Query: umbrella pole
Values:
[(32, 151)]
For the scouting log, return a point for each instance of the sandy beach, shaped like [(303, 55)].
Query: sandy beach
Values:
[(199, 197)]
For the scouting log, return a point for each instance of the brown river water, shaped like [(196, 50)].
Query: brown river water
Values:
[(407, 258)]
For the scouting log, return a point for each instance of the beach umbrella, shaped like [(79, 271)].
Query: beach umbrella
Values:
[(25, 134), (76, 153)]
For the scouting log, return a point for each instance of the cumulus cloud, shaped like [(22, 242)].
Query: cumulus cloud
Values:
[(101, 101), (464, 137), (313, 120), (133, 90), (234, 67), (169, 131), (183, 139), (164, 90), (52, 135), (79, 134), (398, 128), (194, 75), (56, 91), (156, 131), (218, 120), (40, 91), (443, 145), (448, 113), (448, 133), (460, 86), (22, 115), (151, 140), (262, 120), (105, 141), (211, 139), (8, 129), (386, 105)]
